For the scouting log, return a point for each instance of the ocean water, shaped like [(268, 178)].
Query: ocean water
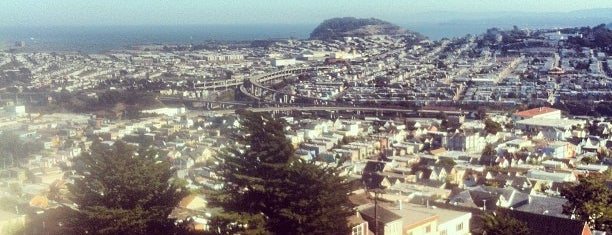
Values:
[(94, 39)]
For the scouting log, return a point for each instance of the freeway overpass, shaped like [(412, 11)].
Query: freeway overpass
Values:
[(255, 88), (377, 111)]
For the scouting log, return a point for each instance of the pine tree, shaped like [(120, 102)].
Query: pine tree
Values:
[(122, 191), (503, 225), (268, 190), (589, 200)]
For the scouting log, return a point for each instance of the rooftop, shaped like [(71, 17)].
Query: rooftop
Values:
[(555, 123), (534, 112), (384, 215), (545, 224), (414, 213)]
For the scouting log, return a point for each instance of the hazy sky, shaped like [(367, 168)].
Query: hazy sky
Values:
[(177, 12)]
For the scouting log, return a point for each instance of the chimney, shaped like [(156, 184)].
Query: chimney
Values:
[(400, 204), (529, 199)]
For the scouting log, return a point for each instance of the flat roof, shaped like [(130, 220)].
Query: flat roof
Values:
[(592, 167), (414, 213), (558, 123)]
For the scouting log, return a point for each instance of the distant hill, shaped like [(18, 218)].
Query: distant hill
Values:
[(440, 24), (353, 27), (578, 17)]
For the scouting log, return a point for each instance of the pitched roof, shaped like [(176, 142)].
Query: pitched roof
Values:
[(516, 182), (544, 205), (188, 200), (355, 219), (545, 224), (534, 112), (437, 151), (477, 197), (432, 183), (384, 215), (426, 173)]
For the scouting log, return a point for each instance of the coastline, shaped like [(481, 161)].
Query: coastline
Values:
[(97, 39), (100, 39)]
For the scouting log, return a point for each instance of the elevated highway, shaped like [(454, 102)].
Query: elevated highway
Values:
[(257, 87), (376, 111), (220, 84)]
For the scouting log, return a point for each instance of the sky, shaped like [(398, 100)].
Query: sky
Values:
[(185, 12)]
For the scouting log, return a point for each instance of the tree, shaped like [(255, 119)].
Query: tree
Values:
[(481, 113), (492, 183), (492, 127), (410, 125), (544, 187), (590, 201), (122, 191), (588, 160), (488, 155), (267, 189), (503, 225), (603, 153), (13, 149), (447, 162), (594, 128)]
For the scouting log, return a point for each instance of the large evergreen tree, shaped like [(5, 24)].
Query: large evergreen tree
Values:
[(503, 225), (268, 190), (121, 190), (590, 200)]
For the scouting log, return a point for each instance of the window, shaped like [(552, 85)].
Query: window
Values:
[(357, 230), (428, 229), (459, 226), (444, 232)]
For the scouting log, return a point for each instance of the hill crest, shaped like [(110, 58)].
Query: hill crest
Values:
[(335, 28)]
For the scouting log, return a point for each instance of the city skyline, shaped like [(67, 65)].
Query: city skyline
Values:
[(183, 12)]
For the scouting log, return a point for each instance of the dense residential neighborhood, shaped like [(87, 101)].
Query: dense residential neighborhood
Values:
[(432, 135)]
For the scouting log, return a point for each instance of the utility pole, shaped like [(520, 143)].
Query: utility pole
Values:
[(377, 229), (375, 213)]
